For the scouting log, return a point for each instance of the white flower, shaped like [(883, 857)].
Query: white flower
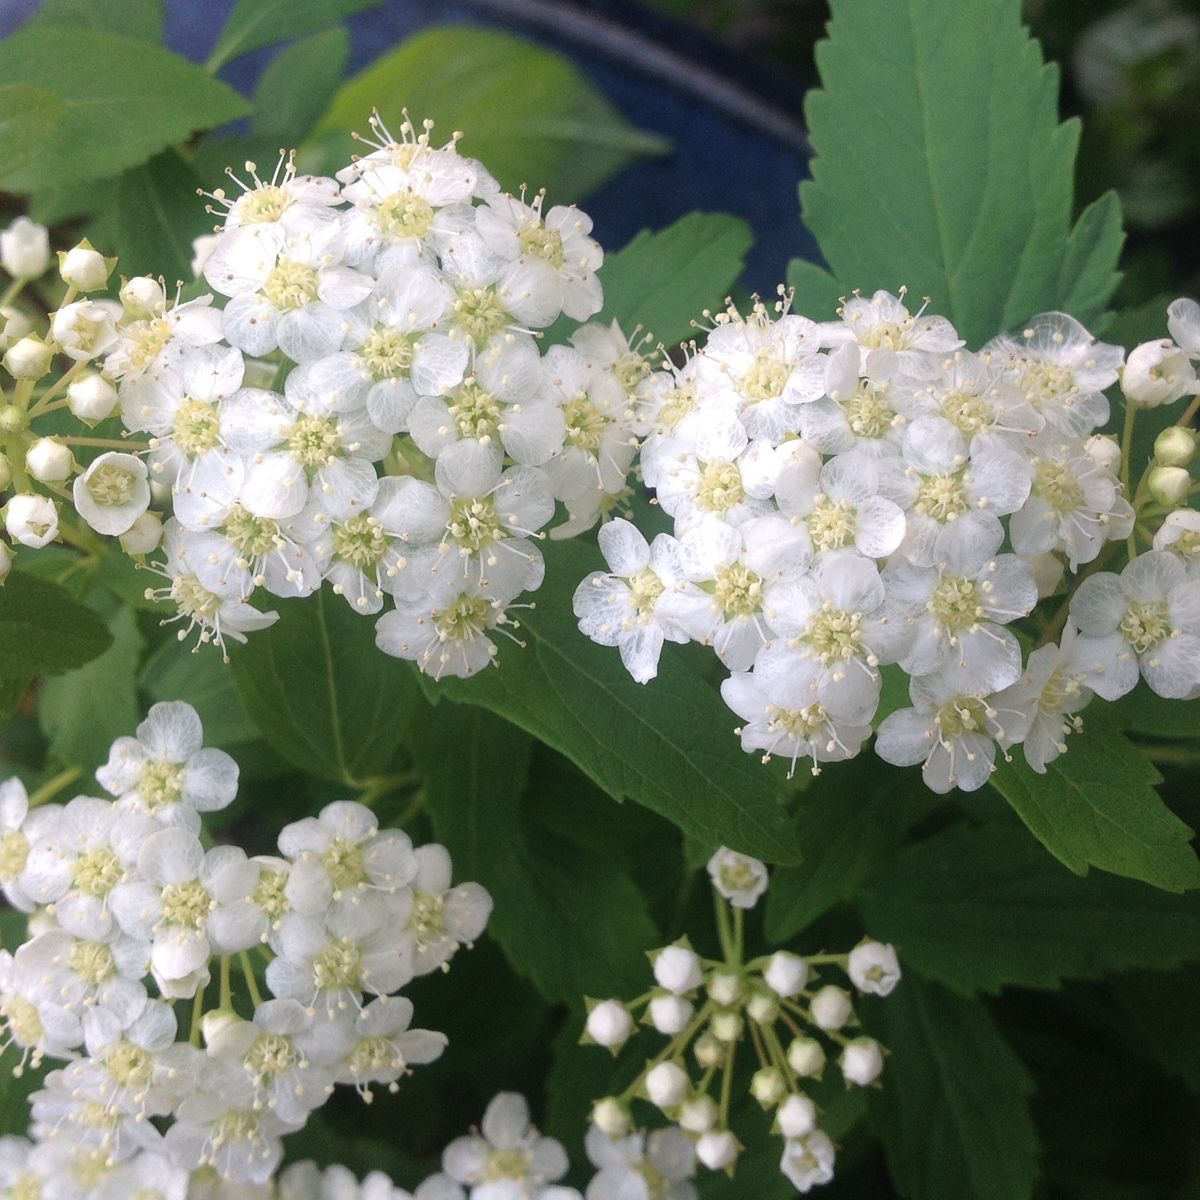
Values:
[(15, 834), (158, 339), (874, 968), (383, 1048), (286, 199), (1180, 535), (738, 877), (1148, 617), (510, 1160), (883, 327), (165, 770), (808, 1161), (112, 493), (88, 975), (25, 249), (37, 1028), (83, 330), (440, 917), (641, 1166), (31, 520), (1157, 373)]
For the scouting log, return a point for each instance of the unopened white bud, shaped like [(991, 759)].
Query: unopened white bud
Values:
[(874, 968), (1175, 446), (25, 249), (727, 1026), (1048, 572), (698, 1115), (786, 974), (768, 1086), (144, 535), (670, 1014), (48, 460), (28, 358), (85, 268), (831, 1007), (762, 1008), (14, 325), (91, 398), (1104, 452), (31, 520), (214, 1023), (1183, 324), (862, 1061), (725, 987), (666, 1085), (797, 1116), (142, 297), (677, 968), (717, 1149), (1157, 372), (1169, 486), (806, 1056), (708, 1051), (611, 1116), (609, 1024)]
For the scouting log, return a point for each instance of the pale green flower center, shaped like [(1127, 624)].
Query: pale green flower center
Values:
[(1144, 625), (196, 427), (832, 523), (720, 487), (372, 1055), (314, 441), (506, 1164), (466, 618), (765, 378), (1060, 693), (97, 871), (631, 370), (868, 413), (1056, 483), (14, 852), (476, 412), (1187, 543), (738, 590), (93, 962), (290, 285), (338, 966), (270, 1055), (474, 523), (129, 1065), (160, 783), (387, 352), (238, 1126), (737, 876), (955, 603), (405, 215), (186, 905), (680, 402), (111, 486), (270, 893), (963, 714), (968, 413), (428, 919), (887, 335), (263, 204), (22, 1020), (1045, 382), (360, 541), (149, 339), (644, 590), (585, 423), (479, 314), (835, 635), (543, 243), (803, 724), (343, 863), (942, 497), (27, 1187), (251, 536), (193, 599)]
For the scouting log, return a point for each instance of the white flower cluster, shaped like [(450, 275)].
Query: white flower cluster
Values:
[(868, 493), (122, 893), (707, 1008)]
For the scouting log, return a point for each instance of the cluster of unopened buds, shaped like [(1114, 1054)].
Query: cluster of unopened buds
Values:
[(709, 1009), (281, 971), (867, 494)]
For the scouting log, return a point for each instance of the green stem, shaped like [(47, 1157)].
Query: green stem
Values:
[(13, 291), (724, 931), (1126, 456), (1189, 412), (106, 443), (727, 1086), (197, 1017), (226, 1000), (54, 785), (251, 982), (44, 405), (739, 934)]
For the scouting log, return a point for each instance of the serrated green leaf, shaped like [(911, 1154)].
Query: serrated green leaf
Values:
[(953, 1112), (321, 694), (156, 216), (528, 113), (298, 85), (668, 744), (567, 919), (29, 117), (1096, 807), (124, 101), (142, 19), (977, 909), (1143, 712), (1160, 1013), (816, 291), (662, 281), (84, 711), (257, 23), (43, 631), (941, 164)]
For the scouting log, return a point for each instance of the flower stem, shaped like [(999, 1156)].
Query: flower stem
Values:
[(197, 1016), (251, 982), (54, 785), (226, 1000)]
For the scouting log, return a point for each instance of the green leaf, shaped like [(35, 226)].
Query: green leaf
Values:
[(941, 164), (12, 692), (124, 100), (84, 711), (257, 23), (529, 114), (662, 281), (953, 1112), (321, 693), (29, 117), (298, 86), (668, 744), (1145, 713), (979, 909), (142, 19), (1160, 1012), (157, 214), (43, 631), (1096, 806), (567, 919)]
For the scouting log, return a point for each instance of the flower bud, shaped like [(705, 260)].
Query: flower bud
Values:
[(25, 249), (725, 987), (1048, 572), (831, 1007), (48, 460), (611, 1116), (806, 1056), (666, 1085), (762, 1008), (28, 358), (144, 535), (708, 1051), (797, 1116), (1104, 452), (5, 472), (768, 1086), (1175, 446), (142, 297), (91, 397), (786, 974), (717, 1149), (1157, 373), (1183, 324), (216, 1022), (698, 1115), (873, 967), (14, 325), (670, 1014), (1170, 486), (677, 968), (83, 330), (727, 1026), (31, 520), (609, 1024), (85, 268), (862, 1061)]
